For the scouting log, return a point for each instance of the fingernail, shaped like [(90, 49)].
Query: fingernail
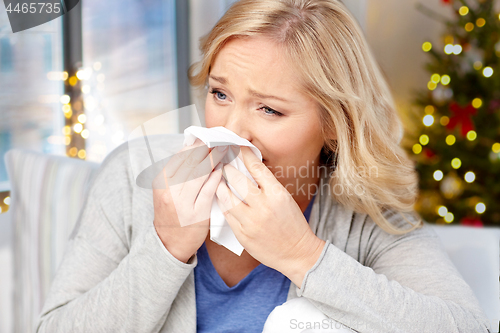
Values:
[(218, 166), (221, 148)]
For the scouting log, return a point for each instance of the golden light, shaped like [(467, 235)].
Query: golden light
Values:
[(427, 46), (480, 207), (431, 85), (496, 148), (65, 99), (66, 130), (86, 89), (417, 149), (72, 80), (448, 49), (457, 49), (429, 109), (450, 140), (480, 22), (444, 120), (82, 154), (478, 65), (66, 108), (428, 120), (435, 78), (469, 27), (82, 118), (78, 128), (471, 135), (487, 71), (65, 76), (73, 151), (424, 139), (67, 140), (449, 217), (456, 163), (469, 177), (442, 210), (464, 10), (438, 175), (6, 201), (445, 80), (85, 133), (477, 103), (68, 114)]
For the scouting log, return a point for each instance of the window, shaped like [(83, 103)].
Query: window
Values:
[(129, 53), (30, 114)]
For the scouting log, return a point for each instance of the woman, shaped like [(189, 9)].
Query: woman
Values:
[(296, 79)]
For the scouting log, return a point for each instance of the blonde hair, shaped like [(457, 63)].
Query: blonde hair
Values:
[(338, 70)]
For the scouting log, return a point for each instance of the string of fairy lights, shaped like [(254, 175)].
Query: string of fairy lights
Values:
[(75, 130), (429, 119)]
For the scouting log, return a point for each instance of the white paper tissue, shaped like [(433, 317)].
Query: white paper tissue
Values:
[(220, 231)]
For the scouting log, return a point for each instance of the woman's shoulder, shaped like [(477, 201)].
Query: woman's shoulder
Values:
[(357, 234), (372, 241)]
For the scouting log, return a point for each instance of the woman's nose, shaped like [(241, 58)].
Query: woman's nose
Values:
[(237, 123)]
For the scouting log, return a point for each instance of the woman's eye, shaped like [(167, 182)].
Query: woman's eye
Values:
[(271, 111), (222, 97), (218, 94)]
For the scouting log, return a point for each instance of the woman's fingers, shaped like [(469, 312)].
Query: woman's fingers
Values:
[(178, 158), (190, 193), (205, 198), (242, 185), (202, 171), (230, 203), (196, 156)]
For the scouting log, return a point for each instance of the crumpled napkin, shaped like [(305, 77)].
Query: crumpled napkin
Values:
[(220, 231)]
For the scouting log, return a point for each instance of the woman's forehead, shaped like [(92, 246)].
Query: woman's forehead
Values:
[(258, 60)]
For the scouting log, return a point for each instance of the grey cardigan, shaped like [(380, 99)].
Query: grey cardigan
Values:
[(116, 275)]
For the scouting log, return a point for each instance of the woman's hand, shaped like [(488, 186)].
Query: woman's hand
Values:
[(270, 225), (183, 201)]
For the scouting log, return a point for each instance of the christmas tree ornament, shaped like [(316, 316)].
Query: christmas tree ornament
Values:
[(471, 222), (461, 116), (451, 186)]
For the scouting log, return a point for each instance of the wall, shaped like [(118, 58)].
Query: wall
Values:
[(396, 31)]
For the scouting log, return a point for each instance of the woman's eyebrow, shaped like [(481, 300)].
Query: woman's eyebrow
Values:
[(218, 79), (223, 80)]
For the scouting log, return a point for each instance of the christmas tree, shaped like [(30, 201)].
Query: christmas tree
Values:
[(456, 141)]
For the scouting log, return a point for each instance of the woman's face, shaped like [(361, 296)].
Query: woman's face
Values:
[(254, 92)]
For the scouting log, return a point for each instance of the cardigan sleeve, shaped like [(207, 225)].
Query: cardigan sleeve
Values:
[(107, 282), (408, 285)]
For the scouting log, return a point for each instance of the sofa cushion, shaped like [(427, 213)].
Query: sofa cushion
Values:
[(47, 193)]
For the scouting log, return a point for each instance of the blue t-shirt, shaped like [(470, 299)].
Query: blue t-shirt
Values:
[(243, 307)]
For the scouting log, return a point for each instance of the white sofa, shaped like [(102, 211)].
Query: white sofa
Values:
[(48, 193)]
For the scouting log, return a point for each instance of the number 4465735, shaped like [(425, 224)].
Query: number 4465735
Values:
[(32, 8)]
